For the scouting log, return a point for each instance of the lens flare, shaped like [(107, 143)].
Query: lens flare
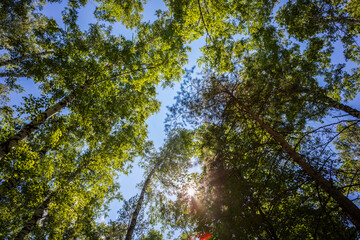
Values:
[(191, 191)]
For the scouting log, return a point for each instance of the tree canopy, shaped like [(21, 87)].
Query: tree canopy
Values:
[(268, 118)]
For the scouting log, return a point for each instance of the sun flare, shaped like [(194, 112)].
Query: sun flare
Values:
[(191, 191)]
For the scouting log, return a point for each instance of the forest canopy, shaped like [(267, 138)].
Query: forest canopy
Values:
[(270, 116)]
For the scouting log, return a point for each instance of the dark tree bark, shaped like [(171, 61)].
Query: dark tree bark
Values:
[(38, 214), (346, 204), (348, 20), (132, 225), (29, 128), (345, 108), (319, 95), (340, 20)]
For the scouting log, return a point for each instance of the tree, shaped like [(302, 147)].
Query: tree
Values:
[(279, 79), (153, 235), (114, 229), (338, 20), (139, 203), (259, 76), (234, 29), (39, 213), (347, 205), (105, 85), (252, 191), (346, 144), (248, 178), (172, 159), (257, 102)]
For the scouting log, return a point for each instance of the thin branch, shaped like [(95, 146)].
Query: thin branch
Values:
[(21, 58), (12, 74), (315, 130), (203, 20)]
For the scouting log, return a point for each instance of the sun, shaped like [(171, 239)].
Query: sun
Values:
[(191, 191)]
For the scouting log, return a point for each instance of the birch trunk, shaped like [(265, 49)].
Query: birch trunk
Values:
[(38, 214), (132, 225), (348, 206), (40, 211), (28, 129)]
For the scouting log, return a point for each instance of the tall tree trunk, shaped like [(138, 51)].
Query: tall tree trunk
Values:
[(132, 225), (348, 20), (21, 58), (40, 211), (28, 129), (345, 108), (348, 206), (320, 95), (38, 214), (341, 20)]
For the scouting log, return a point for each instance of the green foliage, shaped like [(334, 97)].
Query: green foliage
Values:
[(126, 11), (347, 145), (153, 235), (332, 21), (278, 61), (249, 187), (117, 229), (71, 161)]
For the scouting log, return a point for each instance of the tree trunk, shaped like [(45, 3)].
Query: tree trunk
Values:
[(40, 211), (28, 129), (348, 206), (345, 108), (349, 20), (38, 214), (132, 225), (21, 58), (343, 20), (318, 94), (8, 185)]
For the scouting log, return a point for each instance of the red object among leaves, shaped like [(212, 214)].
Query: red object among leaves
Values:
[(205, 236), (202, 236)]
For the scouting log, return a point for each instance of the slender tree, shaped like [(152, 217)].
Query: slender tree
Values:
[(139, 203), (172, 159), (40, 210)]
